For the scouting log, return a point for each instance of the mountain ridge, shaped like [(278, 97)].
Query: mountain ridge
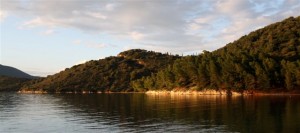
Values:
[(13, 72)]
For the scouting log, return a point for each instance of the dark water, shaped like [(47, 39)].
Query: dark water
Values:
[(45, 113)]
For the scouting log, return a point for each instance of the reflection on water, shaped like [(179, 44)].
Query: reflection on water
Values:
[(147, 113)]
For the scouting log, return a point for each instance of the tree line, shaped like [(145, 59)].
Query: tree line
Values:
[(265, 59)]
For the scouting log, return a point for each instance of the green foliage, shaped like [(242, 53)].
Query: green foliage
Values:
[(265, 59), (11, 83), (109, 74)]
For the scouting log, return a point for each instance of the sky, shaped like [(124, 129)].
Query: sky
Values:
[(43, 37)]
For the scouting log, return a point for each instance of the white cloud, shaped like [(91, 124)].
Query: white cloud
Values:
[(175, 26), (48, 32), (194, 26), (40, 21), (110, 6), (3, 15), (90, 44), (96, 15), (77, 42), (136, 35), (97, 45)]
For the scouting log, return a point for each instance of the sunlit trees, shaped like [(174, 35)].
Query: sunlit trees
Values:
[(265, 59)]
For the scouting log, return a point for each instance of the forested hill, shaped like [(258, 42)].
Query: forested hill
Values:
[(109, 74), (266, 59), (12, 83)]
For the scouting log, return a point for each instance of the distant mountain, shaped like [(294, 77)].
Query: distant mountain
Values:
[(13, 72)]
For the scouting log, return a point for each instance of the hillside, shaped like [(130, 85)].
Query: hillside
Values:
[(109, 74), (12, 79), (13, 72), (266, 59), (11, 83)]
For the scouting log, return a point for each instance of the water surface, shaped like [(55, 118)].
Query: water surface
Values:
[(49, 113)]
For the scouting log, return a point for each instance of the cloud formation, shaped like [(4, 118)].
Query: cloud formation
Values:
[(169, 25), (2, 15)]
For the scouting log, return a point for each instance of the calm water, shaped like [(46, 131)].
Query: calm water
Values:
[(44, 113)]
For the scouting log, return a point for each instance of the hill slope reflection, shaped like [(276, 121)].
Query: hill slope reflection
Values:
[(145, 113), (140, 112)]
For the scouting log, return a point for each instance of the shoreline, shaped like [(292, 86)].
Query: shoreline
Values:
[(193, 92), (221, 93), (176, 92)]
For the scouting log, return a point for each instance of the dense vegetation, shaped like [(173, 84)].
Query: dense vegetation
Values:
[(12, 79), (109, 74), (11, 83), (268, 58)]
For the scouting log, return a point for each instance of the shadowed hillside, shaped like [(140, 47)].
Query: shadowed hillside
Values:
[(11, 83), (13, 72), (110, 74)]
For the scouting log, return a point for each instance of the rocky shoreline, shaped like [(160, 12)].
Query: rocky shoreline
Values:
[(192, 92)]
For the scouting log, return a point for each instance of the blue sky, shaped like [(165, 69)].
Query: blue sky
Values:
[(43, 37)]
